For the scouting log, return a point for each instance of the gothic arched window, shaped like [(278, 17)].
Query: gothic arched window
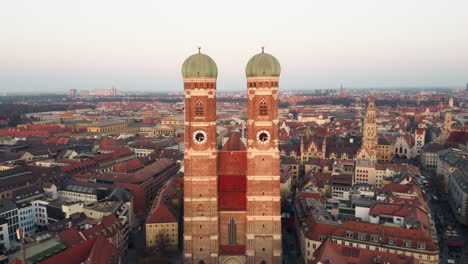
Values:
[(263, 107), (199, 108), (232, 231)]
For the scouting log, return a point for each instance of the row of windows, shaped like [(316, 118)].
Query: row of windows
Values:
[(161, 230), (391, 241), (421, 245), (263, 108), (199, 85), (263, 84), (156, 225), (401, 150)]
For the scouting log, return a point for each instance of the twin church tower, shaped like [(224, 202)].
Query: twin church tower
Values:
[(232, 208)]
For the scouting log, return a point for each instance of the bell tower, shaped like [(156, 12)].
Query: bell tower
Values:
[(448, 120), (263, 231), (201, 230), (369, 140)]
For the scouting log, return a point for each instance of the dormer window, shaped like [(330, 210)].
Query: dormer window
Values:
[(362, 236), (349, 234), (392, 241), (421, 245), (375, 238), (407, 243)]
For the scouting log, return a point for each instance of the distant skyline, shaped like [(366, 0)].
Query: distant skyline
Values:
[(53, 46)]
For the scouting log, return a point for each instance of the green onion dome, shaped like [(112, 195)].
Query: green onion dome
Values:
[(263, 64), (199, 65)]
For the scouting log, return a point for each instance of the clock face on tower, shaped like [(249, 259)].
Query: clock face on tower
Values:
[(199, 136), (263, 137)]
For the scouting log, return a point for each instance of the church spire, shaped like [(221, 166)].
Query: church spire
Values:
[(369, 142)]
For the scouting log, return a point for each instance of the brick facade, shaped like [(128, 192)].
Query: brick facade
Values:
[(232, 196)]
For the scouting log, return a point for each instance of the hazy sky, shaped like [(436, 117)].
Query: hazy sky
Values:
[(140, 45)]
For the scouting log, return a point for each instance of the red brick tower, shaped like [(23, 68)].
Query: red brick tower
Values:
[(263, 161), (201, 229)]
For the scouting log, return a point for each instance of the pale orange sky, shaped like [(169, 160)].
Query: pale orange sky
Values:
[(140, 45)]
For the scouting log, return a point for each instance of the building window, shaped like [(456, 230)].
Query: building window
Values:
[(407, 243), (361, 236), (199, 108), (263, 107), (421, 245), (375, 238), (349, 234), (232, 231)]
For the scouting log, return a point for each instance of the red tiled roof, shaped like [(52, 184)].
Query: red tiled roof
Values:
[(127, 166), (109, 142), (57, 140), (25, 133), (322, 179), (234, 144), (316, 229), (79, 165), (16, 261), (400, 188), (314, 195), (71, 237), (385, 232), (108, 226), (180, 180), (96, 250), (232, 201), (161, 214), (139, 176), (401, 210), (460, 137), (75, 255), (330, 252), (232, 162), (103, 252), (232, 183)]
